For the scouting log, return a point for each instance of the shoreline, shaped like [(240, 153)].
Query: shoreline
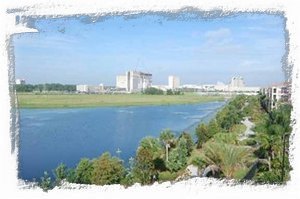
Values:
[(206, 119)]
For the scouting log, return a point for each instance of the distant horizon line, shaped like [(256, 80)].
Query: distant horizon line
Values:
[(196, 84)]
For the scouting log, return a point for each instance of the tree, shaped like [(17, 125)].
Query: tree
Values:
[(270, 136), (155, 148), (178, 156), (60, 173), (214, 128), (152, 145), (189, 141), (153, 91), (229, 158), (71, 175), (84, 171), (46, 183), (169, 92), (202, 134), (144, 169), (107, 170), (168, 140)]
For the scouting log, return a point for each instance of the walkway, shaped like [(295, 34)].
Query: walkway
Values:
[(248, 132)]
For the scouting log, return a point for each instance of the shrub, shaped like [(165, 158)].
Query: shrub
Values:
[(107, 170), (166, 176), (199, 162), (46, 183)]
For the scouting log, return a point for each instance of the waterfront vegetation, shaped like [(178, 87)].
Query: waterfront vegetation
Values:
[(219, 151), (40, 100), (45, 88)]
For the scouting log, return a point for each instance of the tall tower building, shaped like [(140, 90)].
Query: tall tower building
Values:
[(134, 81), (174, 82), (237, 82)]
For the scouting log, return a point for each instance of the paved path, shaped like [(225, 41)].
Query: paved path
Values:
[(248, 132)]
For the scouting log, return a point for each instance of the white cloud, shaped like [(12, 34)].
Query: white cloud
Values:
[(217, 35), (220, 41)]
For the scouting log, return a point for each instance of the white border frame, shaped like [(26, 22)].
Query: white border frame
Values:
[(187, 189)]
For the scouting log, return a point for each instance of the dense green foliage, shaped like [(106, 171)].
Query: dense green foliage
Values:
[(153, 91), (203, 134), (45, 87), (228, 157), (45, 182), (272, 131), (61, 173), (83, 172), (178, 156), (219, 142), (171, 92), (107, 170), (157, 91)]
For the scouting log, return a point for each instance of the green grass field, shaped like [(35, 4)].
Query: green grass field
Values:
[(81, 100)]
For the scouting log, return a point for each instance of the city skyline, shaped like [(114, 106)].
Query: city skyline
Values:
[(199, 51)]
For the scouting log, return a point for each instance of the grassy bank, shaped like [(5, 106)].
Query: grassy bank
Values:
[(26, 100)]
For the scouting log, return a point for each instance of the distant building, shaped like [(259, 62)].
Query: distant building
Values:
[(236, 86), (161, 87), (20, 81), (220, 86), (121, 81), (89, 88), (174, 82), (237, 82), (134, 81)]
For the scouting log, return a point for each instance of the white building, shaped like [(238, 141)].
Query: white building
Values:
[(134, 81), (121, 81), (236, 86), (161, 87), (237, 82), (220, 86), (20, 81), (89, 89), (174, 82)]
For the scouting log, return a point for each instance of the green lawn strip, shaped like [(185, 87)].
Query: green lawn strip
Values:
[(78, 100)]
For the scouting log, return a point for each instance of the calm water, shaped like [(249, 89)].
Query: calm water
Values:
[(51, 136)]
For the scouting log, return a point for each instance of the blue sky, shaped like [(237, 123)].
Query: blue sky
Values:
[(197, 50)]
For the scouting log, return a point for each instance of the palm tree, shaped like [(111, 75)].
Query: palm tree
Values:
[(229, 158), (168, 139)]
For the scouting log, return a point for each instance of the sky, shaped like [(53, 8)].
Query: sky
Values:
[(197, 50)]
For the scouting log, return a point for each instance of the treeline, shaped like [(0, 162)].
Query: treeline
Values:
[(45, 87), (156, 91), (156, 159), (219, 151)]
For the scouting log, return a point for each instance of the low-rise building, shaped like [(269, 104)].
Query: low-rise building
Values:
[(277, 93), (83, 88)]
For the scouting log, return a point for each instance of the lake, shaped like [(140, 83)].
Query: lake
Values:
[(49, 137)]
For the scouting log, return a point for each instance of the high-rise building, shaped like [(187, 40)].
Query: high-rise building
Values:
[(174, 82), (237, 82), (134, 81), (121, 81)]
